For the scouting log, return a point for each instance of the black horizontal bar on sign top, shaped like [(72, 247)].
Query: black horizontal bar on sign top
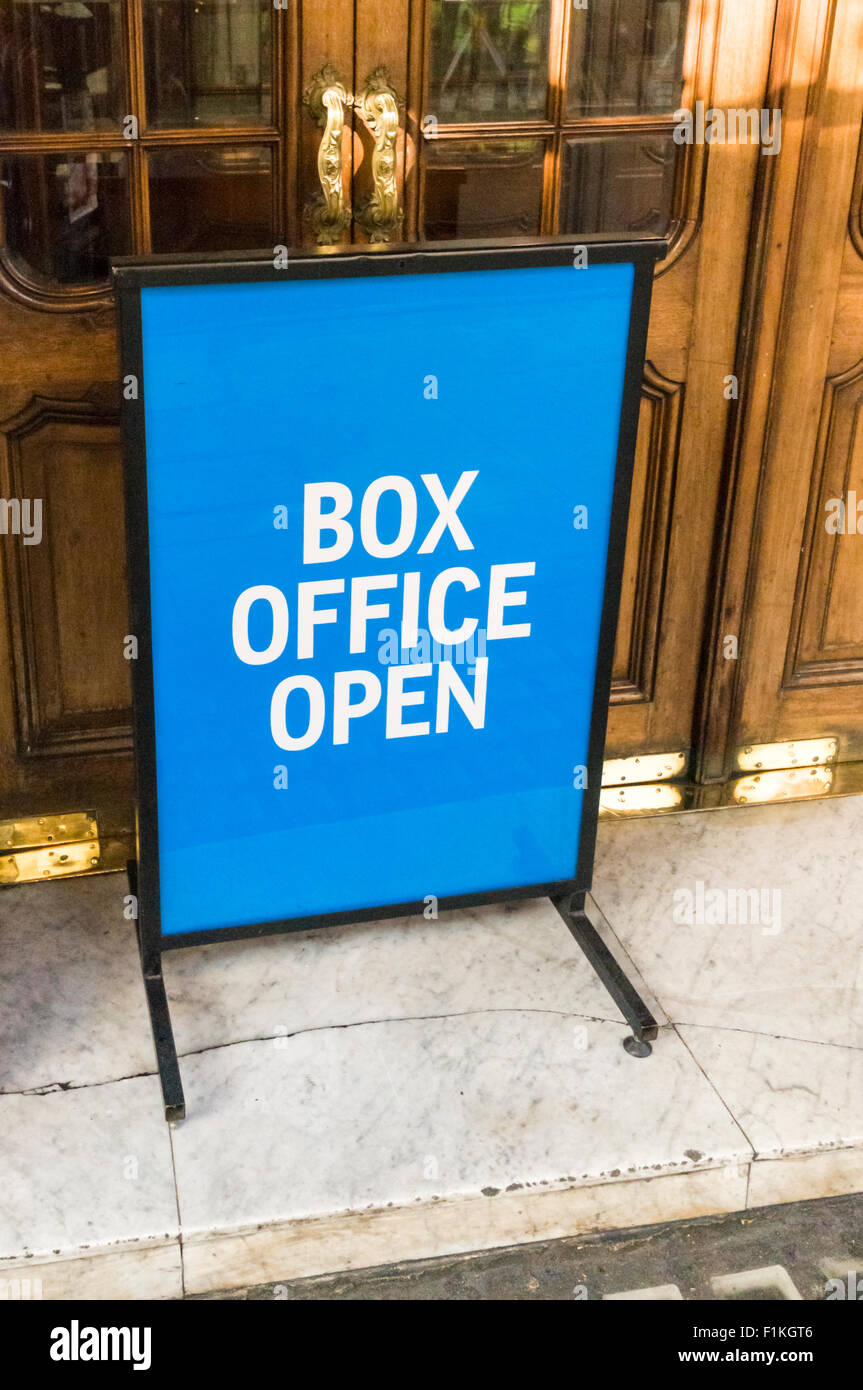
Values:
[(412, 258)]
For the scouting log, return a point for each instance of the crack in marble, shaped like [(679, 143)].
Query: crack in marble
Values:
[(179, 1237), (757, 1033), (54, 1087), (713, 1086), (786, 1090)]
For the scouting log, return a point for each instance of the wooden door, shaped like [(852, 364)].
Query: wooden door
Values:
[(793, 587), (168, 125), (126, 126), (555, 117)]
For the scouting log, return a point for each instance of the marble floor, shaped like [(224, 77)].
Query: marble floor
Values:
[(407, 1089)]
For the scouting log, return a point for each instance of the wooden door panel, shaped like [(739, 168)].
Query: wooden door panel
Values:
[(826, 639), (67, 594), (64, 695), (685, 413), (798, 588)]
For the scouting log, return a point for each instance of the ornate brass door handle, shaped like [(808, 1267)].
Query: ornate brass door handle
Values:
[(380, 216), (327, 98)]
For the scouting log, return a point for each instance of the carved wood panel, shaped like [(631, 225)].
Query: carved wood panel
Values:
[(826, 640), (647, 539), (67, 594)]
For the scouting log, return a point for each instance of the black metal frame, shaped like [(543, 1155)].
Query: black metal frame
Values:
[(569, 895)]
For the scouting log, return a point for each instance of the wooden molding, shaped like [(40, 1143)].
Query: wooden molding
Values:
[(647, 542)]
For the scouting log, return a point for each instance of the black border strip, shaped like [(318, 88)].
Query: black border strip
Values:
[(424, 258), (131, 276), (629, 408)]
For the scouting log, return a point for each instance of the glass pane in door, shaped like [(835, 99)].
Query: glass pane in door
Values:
[(207, 62), (218, 199), (619, 184), (66, 215), (482, 188), (61, 65), (489, 60), (626, 57)]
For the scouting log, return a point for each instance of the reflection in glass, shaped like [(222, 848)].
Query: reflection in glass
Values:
[(489, 60), (61, 65), (66, 215), (482, 188), (626, 56), (207, 62), (620, 184), (211, 200)]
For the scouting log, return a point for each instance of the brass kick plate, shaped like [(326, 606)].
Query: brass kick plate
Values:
[(647, 799), (642, 785), (40, 847), (802, 752), (30, 864), (785, 784), (34, 831), (646, 767)]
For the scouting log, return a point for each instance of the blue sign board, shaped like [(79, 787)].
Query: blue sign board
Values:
[(377, 509)]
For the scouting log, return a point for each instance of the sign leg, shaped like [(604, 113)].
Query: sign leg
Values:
[(160, 1019), (166, 1051), (573, 909)]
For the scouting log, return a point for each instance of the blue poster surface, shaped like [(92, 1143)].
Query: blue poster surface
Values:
[(379, 513)]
